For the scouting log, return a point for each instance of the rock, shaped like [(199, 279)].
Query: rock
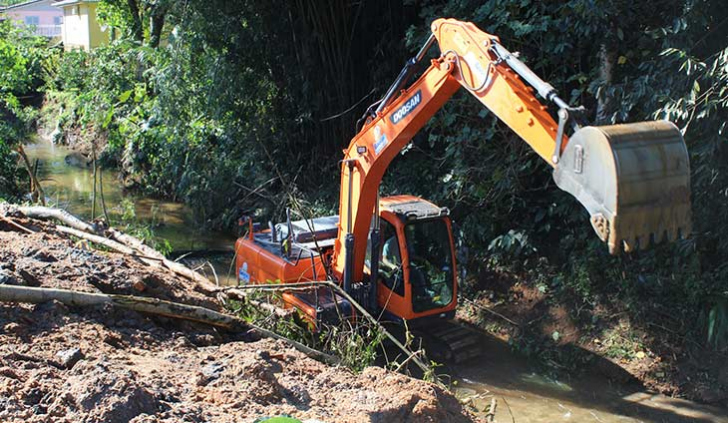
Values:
[(70, 357), (7, 278), (40, 409), (29, 278), (32, 396), (29, 251), (78, 160), (113, 340), (203, 339), (13, 328), (44, 256), (139, 286)]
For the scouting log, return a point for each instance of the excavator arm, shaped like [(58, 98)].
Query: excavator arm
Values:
[(633, 179)]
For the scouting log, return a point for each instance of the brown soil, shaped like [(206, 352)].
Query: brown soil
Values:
[(650, 351), (61, 364)]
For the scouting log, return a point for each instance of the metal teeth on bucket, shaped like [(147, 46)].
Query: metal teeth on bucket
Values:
[(634, 179)]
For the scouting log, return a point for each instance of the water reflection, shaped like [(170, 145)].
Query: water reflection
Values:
[(69, 185)]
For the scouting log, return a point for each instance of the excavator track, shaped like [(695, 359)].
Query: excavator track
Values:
[(451, 342)]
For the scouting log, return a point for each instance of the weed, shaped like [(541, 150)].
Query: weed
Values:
[(143, 231), (717, 323), (356, 344)]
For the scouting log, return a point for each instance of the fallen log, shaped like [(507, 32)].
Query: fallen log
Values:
[(24, 294), (155, 306), (135, 243), (39, 212), (116, 246)]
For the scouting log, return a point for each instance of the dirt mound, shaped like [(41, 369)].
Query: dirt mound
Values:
[(66, 364)]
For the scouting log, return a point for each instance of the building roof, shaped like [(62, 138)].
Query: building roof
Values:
[(72, 2)]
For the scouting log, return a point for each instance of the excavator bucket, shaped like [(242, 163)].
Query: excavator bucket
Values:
[(634, 180)]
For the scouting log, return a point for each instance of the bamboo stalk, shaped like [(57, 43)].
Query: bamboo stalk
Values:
[(17, 225), (93, 205), (103, 199), (24, 294)]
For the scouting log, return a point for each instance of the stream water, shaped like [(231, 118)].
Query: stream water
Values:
[(69, 184), (520, 395)]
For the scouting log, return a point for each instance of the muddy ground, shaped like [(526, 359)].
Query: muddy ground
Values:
[(651, 350), (61, 364)]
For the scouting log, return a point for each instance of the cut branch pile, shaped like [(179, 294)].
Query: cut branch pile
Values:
[(117, 241)]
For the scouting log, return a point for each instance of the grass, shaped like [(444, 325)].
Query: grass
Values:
[(356, 344)]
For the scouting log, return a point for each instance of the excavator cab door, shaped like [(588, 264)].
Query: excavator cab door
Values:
[(416, 267), (431, 268)]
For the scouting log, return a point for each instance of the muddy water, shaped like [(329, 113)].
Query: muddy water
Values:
[(520, 394), (68, 184)]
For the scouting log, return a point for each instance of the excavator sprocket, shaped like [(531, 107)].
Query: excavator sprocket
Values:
[(634, 179)]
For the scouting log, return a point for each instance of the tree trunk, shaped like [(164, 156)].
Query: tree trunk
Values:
[(136, 27), (605, 101), (156, 24), (57, 214), (37, 189)]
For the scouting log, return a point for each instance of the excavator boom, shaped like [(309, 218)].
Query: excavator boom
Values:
[(633, 179)]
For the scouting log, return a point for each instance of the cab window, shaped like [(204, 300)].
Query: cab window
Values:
[(390, 259)]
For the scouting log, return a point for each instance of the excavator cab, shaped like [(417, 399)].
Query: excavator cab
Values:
[(416, 268)]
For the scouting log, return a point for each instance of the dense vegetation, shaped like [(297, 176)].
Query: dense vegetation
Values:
[(24, 62), (231, 106)]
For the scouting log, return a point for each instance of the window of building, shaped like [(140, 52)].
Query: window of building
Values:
[(57, 20), (32, 20)]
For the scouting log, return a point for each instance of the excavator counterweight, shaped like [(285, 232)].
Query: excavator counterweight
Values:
[(633, 179)]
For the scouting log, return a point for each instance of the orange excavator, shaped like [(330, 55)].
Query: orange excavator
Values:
[(396, 255)]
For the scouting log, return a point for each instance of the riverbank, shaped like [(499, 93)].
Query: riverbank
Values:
[(645, 346), (60, 363)]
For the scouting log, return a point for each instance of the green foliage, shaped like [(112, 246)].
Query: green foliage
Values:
[(23, 65), (357, 345), (144, 232), (717, 323)]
